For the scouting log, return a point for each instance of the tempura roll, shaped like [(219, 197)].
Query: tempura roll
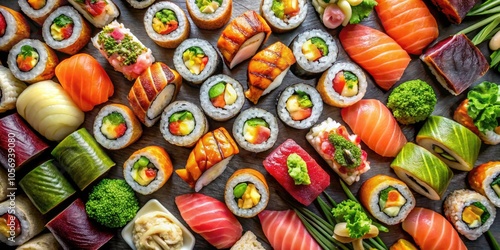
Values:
[(485, 179), (13, 28), (32, 61)]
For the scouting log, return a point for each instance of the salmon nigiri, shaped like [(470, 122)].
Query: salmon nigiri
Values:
[(431, 231), (210, 218), (85, 80), (284, 230), (375, 52), (409, 23), (374, 123)]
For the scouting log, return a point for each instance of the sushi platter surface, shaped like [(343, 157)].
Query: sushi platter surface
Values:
[(175, 186)]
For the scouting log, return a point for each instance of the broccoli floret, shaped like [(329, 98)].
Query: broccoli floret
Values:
[(112, 203), (412, 101)]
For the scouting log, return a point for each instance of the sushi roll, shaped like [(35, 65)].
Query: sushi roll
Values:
[(315, 51), (148, 169), (485, 179), (210, 14), (422, 171), (451, 142), (284, 15), (196, 60), (20, 222), (10, 89), (66, 31), (221, 97), (41, 242), (340, 150), (470, 212), (140, 4), (116, 127), (13, 28), (39, 10), (32, 61), (255, 130), (98, 12), (166, 24), (242, 37), (246, 193), (299, 106), (128, 55), (342, 85), (153, 91), (183, 123), (388, 199)]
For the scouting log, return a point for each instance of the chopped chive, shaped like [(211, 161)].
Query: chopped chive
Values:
[(330, 199), (381, 242), (376, 245), (495, 58), (366, 245), (479, 24), (493, 241), (322, 241), (478, 10), (326, 210), (485, 32)]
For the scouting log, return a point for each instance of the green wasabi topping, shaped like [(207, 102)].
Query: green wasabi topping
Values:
[(256, 122), (239, 190), (297, 169), (181, 116), (127, 48), (304, 100), (278, 8), (217, 90), (320, 44), (63, 20), (347, 154)]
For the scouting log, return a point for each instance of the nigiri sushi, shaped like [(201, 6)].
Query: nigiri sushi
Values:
[(85, 80), (210, 218), (374, 123), (375, 52), (284, 230), (409, 23), (431, 231)]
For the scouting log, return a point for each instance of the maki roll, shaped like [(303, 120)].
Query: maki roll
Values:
[(147, 169), (299, 106), (246, 193), (140, 4), (19, 223), (116, 127), (13, 28), (82, 158), (66, 31), (127, 54), (153, 91), (32, 61), (422, 171), (196, 60), (342, 85), (221, 97), (98, 12), (284, 15), (451, 142), (166, 24), (469, 212), (183, 123), (39, 10), (41, 242), (315, 51), (10, 89), (485, 179), (210, 14), (388, 199), (255, 130), (340, 150), (46, 186)]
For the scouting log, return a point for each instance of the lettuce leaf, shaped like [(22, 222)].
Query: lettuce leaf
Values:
[(351, 212), (361, 11), (484, 106)]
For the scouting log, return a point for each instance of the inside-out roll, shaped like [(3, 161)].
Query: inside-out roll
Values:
[(38, 11), (17, 28), (210, 14), (116, 127), (485, 179), (19, 223), (221, 97), (342, 85), (299, 106), (255, 130), (183, 123), (284, 15), (166, 24), (246, 193)]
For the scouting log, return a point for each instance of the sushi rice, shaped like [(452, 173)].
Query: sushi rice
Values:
[(43, 70), (229, 111), (140, 4), (201, 124), (133, 127), (174, 38), (304, 67), (278, 24), (315, 98), (239, 124)]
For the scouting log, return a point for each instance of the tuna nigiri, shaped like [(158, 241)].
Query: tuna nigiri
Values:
[(409, 23), (284, 230), (430, 230), (85, 80), (210, 218), (374, 123), (375, 52)]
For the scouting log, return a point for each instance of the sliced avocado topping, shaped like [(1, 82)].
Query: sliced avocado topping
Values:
[(141, 163), (351, 79), (217, 90), (181, 116), (320, 44), (144, 171), (297, 169), (239, 190), (254, 122), (440, 151), (496, 185), (115, 118), (208, 6), (347, 154), (304, 99)]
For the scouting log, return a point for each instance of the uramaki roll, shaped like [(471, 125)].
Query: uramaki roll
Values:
[(221, 97), (210, 14), (256, 130), (39, 10), (485, 179), (16, 28), (289, 14), (166, 24), (342, 85), (299, 106), (246, 193), (183, 123)]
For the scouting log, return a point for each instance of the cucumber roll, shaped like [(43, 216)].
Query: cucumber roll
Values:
[(98, 12), (196, 60), (284, 15), (255, 130), (13, 28), (315, 52), (39, 10), (183, 123), (246, 193), (388, 199), (19, 223), (221, 97), (147, 169), (46, 187), (469, 212), (32, 61), (140, 4), (210, 14), (66, 31), (422, 171), (10, 89), (166, 24), (299, 106), (485, 179), (451, 142), (116, 127), (342, 85)]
